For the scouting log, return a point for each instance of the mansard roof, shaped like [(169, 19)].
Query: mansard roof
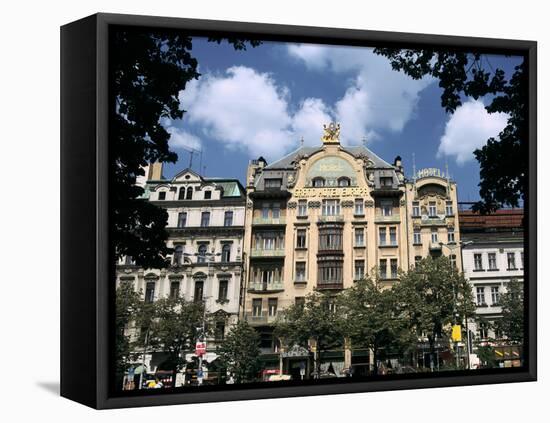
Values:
[(287, 161)]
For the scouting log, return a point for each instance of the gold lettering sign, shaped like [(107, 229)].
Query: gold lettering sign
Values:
[(331, 192), (331, 167)]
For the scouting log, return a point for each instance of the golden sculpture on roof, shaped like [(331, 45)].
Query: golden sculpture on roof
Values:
[(331, 133)]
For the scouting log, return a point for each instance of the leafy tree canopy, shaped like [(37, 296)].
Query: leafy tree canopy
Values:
[(511, 322), (503, 160), (240, 351)]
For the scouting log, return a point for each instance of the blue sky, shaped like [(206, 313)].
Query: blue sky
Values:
[(264, 100)]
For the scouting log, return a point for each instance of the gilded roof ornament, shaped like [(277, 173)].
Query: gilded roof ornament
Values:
[(331, 133)]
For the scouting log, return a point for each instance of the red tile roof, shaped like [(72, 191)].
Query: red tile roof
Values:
[(505, 218)]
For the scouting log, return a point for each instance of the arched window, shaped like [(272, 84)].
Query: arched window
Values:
[(201, 258), (318, 182), (181, 195), (226, 252), (178, 255), (189, 195), (343, 182)]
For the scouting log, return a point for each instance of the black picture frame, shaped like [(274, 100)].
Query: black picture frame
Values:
[(86, 275)]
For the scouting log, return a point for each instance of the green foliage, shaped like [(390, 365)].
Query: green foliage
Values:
[(511, 322), (433, 296), (486, 355), (149, 69), (240, 351), (127, 304), (372, 318), (503, 161)]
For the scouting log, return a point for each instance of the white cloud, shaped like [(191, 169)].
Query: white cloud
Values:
[(308, 121), (469, 128), (180, 138), (377, 98)]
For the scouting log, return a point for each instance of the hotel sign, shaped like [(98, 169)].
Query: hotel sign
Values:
[(430, 171), (332, 192)]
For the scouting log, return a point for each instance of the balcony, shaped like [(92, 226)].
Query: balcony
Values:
[(387, 219), (280, 252), (331, 218), (281, 220), (330, 286), (265, 287), (263, 319), (433, 221)]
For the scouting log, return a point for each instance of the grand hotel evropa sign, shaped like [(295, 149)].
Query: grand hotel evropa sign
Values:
[(331, 192)]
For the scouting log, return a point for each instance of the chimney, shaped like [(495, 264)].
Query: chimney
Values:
[(155, 171)]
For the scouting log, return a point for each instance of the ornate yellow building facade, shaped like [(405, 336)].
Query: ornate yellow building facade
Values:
[(323, 217)]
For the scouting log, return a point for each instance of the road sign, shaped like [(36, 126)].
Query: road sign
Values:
[(457, 333), (200, 348)]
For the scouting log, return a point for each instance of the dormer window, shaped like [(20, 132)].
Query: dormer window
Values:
[(207, 195), (273, 183), (189, 194), (386, 181), (343, 182), (318, 182), (162, 195)]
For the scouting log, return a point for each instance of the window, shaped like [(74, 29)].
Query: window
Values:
[(511, 261), (182, 219), (387, 207), (480, 295), (226, 252), (150, 292), (495, 295), (359, 207), (449, 208), (205, 219), (417, 260), (300, 271), (272, 306), (302, 207), (181, 194), (386, 181), (383, 269), (359, 269), (416, 209), (478, 263), (318, 182), (174, 289), (301, 238), (257, 307), (178, 255), (228, 218), (434, 235), (276, 211), (359, 237), (162, 195), (452, 259), (207, 195), (300, 301), (393, 268), (219, 332), (417, 238), (265, 211), (482, 331), (330, 239), (331, 207), (450, 234), (199, 290), (432, 211), (382, 236), (269, 242), (273, 183), (492, 261), (189, 195), (201, 258), (393, 235), (330, 272), (343, 182), (222, 290)]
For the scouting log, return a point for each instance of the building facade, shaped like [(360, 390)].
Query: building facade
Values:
[(206, 231), (323, 217), (493, 255)]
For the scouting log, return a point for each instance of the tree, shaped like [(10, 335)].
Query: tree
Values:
[(433, 296), (315, 320), (511, 322), (503, 161), (127, 304), (239, 353), (148, 71), (172, 325), (371, 317)]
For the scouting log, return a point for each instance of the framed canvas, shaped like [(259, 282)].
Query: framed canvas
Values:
[(261, 211)]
